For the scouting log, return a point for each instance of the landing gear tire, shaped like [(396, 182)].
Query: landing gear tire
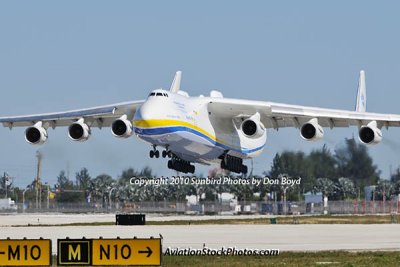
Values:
[(233, 164), (151, 154), (191, 168), (223, 165), (244, 169), (157, 154), (167, 152), (180, 165)]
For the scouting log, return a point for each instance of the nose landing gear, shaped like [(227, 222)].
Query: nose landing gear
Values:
[(166, 153), (154, 153)]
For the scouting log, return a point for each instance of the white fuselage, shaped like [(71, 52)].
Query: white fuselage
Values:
[(190, 131)]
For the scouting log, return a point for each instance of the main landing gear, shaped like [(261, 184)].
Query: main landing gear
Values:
[(233, 164), (180, 165), (175, 163)]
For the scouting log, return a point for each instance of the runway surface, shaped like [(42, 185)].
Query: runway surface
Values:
[(63, 218), (283, 237)]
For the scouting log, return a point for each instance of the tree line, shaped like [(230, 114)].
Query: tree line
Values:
[(341, 174)]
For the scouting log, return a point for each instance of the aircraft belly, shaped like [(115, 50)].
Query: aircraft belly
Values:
[(186, 145)]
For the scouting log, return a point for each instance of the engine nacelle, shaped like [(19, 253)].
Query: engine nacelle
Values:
[(79, 131), (36, 134), (122, 127), (253, 127), (370, 134), (311, 130)]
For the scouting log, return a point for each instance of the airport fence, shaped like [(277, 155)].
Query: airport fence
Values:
[(215, 208)]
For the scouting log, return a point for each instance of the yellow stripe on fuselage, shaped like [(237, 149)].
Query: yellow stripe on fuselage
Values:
[(168, 123)]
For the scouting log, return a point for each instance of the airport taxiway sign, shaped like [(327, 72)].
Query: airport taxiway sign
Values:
[(74, 252), (25, 252), (126, 251)]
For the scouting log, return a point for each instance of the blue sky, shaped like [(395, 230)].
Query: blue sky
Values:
[(57, 56)]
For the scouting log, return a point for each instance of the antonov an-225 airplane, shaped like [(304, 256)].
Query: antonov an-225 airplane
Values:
[(205, 129)]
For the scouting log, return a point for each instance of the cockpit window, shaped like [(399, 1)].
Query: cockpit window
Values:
[(158, 94)]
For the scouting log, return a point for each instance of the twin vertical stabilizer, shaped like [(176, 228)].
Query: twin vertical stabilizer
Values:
[(176, 83), (361, 104)]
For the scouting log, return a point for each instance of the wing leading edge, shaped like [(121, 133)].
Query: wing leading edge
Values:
[(277, 115), (101, 116)]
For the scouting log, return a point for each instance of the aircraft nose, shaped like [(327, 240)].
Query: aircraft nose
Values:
[(143, 114)]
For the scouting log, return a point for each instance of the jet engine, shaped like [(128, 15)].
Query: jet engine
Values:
[(370, 134), (79, 131), (253, 127), (36, 134), (122, 127), (311, 130)]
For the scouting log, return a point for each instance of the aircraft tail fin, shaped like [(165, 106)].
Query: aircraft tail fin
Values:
[(176, 83), (361, 104)]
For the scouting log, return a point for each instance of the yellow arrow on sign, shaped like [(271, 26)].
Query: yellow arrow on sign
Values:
[(148, 251), (126, 252)]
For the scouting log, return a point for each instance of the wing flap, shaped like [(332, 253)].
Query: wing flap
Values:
[(228, 108)]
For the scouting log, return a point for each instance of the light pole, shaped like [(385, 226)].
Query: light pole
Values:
[(285, 188), (48, 195), (38, 190), (109, 196), (5, 177), (283, 177), (5, 184), (284, 200), (23, 198), (16, 195)]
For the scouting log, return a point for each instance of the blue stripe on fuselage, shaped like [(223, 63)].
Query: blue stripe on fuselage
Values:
[(173, 129)]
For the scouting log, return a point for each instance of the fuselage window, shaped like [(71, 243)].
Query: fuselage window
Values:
[(152, 94), (159, 94)]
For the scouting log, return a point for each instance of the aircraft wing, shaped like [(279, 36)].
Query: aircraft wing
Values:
[(276, 115), (101, 116)]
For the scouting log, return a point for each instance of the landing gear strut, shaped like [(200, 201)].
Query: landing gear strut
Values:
[(233, 164), (180, 165)]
